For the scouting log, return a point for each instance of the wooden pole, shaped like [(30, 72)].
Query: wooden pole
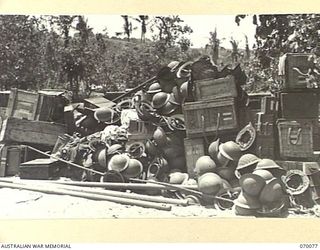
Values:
[(50, 190)]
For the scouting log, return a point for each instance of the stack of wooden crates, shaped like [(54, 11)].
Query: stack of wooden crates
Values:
[(28, 120), (297, 124), (213, 113)]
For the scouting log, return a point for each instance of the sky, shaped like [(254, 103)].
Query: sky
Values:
[(201, 25)]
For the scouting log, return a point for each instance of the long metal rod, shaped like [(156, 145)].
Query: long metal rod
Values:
[(67, 162), (134, 89), (125, 201), (115, 185), (106, 192), (186, 190)]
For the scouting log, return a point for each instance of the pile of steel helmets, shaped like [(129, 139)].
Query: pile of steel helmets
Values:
[(262, 191), (167, 153), (168, 92), (215, 172)]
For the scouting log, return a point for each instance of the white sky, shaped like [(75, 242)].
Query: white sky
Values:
[(201, 25)]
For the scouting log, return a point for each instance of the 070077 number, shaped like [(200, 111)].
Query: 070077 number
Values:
[(308, 246)]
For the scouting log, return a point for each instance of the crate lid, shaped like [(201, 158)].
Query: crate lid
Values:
[(41, 161)]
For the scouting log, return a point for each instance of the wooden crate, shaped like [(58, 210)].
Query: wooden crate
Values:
[(291, 165), (140, 130), (11, 156), (30, 132), (194, 148), (299, 105), (39, 169), (98, 102), (294, 80), (42, 106), (4, 98), (295, 139), (22, 104), (208, 117), (215, 88)]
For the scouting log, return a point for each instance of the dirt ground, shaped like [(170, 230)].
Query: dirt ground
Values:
[(22, 204)]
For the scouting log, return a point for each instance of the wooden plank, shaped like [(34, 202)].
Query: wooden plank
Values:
[(34, 132), (3, 159)]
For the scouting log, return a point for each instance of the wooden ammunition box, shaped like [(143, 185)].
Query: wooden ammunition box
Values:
[(98, 102), (299, 105), (294, 63), (210, 116), (215, 88), (42, 106), (11, 156), (30, 132), (39, 169), (194, 149), (295, 139)]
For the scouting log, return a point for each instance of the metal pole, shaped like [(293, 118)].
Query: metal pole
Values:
[(134, 89), (115, 185), (184, 189), (125, 201), (106, 192)]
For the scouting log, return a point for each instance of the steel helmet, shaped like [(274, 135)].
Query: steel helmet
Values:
[(160, 137), (246, 201), (118, 162), (273, 209), (246, 137), (154, 88), (209, 183), (177, 163), (102, 158), (230, 150), (106, 115), (266, 175), (252, 184), (136, 149), (151, 148), (178, 177), (226, 173), (88, 122), (168, 108), (204, 164), (114, 149), (184, 89), (296, 182), (184, 70), (271, 166), (246, 205), (113, 176), (160, 99), (222, 160), (272, 191), (214, 149), (142, 96), (173, 65), (175, 96), (246, 164), (133, 170)]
